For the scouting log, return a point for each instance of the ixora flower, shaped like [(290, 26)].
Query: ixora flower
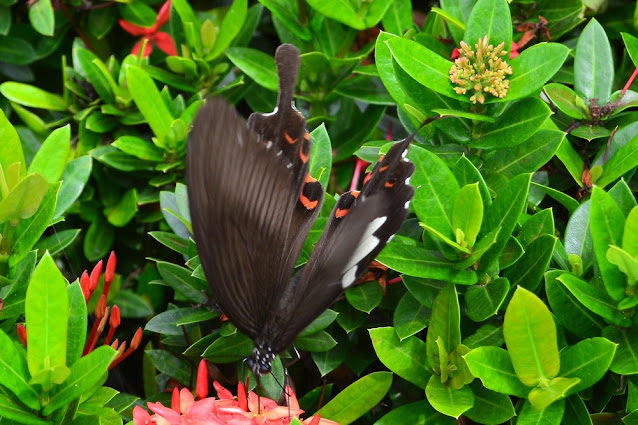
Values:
[(161, 39), (481, 71), (223, 410)]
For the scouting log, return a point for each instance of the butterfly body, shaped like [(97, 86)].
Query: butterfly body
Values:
[(252, 203)]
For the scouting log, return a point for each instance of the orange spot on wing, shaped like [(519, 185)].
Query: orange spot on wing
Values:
[(382, 169), (289, 139), (310, 205), (355, 193), (306, 136), (309, 179), (368, 177), (341, 213), (304, 157), (389, 184)]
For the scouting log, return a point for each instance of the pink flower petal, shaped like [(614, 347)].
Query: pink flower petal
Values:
[(222, 392), (186, 400), (169, 414), (141, 416)]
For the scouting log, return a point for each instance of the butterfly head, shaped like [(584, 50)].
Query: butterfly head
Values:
[(260, 362)]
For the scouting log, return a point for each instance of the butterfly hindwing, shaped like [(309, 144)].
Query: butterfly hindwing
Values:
[(360, 226)]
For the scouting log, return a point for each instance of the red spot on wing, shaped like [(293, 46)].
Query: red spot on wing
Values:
[(368, 177), (310, 205), (385, 167), (289, 139), (341, 212)]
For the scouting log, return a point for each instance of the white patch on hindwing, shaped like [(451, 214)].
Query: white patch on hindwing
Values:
[(368, 243)]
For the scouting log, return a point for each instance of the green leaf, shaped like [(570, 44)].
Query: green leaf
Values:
[(571, 313), (359, 397), (171, 240), (493, 366), (631, 43), (426, 67), (341, 11), (77, 323), (484, 301), (625, 360), (447, 400), (398, 17), (487, 335), (410, 316), (25, 198), (528, 271), (50, 160), (230, 27), (229, 349), (30, 230), (606, 225), (317, 342), (630, 234), (418, 262), (98, 240), (181, 280), (517, 124), (588, 360), (10, 410), (416, 413), (139, 148), (434, 202), (594, 299), (85, 373), (17, 51), (257, 65), (504, 213), (405, 358), (542, 396), (365, 297), (14, 374), (626, 263), (149, 101), (490, 407), (444, 323), (566, 100), (57, 241), (10, 148), (593, 64), (541, 223), (120, 214), (489, 18), (530, 336), (100, 22), (76, 174), (166, 322), (27, 95), (46, 301), (467, 214), (42, 17), (288, 14), (532, 69), (365, 88), (321, 155), (320, 323), (623, 161), (138, 13)]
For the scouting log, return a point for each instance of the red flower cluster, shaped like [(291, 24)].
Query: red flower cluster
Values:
[(223, 410), (161, 39)]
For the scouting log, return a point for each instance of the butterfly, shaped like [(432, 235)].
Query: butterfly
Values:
[(252, 203)]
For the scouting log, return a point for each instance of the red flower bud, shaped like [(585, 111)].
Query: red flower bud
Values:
[(201, 388), (242, 400), (86, 286), (22, 334), (175, 400), (95, 275), (137, 338), (109, 274)]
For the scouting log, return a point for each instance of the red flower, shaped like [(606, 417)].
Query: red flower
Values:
[(161, 39)]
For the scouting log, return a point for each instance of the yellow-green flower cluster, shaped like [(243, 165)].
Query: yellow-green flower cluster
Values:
[(481, 71)]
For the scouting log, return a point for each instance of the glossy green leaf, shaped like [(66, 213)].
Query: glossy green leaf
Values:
[(398, 17), (121, 213), (588, 360), (317, 342), (566, 100), (625, 360), (359, 397), (447, 400), (181, 280), (593, 64), (57, 241), (425, 66), (27, 95), (405, 358), (517, 124), (50, 160), (576, 411), (46, 300), (528, 271), (493, 366), (139, 148), (551, 415), (530, 335), (76, 174), (14, 374), (98, 240), (557, 389), (410, 316), (606, 225), (594, 299), (490, 407), (626, 263), (17, 51), (489, 18), (630, 233), (25, 199), (321, 155), (77, 323), (444, 323), (231, 26), (138, 13), (257, 65), (320, 323), (416, 413), (42, 17), (12, 411), (149, 101), (623, 161), (572, 314), (365, 297), (533, 68), (467, 214), (85, 373), (10, 148), (365, 88), (484, 301)]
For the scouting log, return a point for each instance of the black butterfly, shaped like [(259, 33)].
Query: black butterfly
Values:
[(252, 203)]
